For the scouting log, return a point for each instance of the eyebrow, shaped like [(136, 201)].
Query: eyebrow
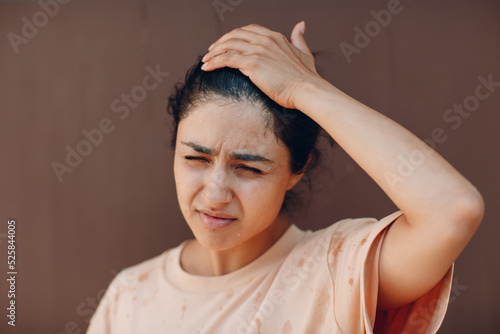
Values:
[(232, 155)]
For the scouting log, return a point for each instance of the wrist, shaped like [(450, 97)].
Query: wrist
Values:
[(312, 92)]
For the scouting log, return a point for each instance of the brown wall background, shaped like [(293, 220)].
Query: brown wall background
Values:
[(118, 207)]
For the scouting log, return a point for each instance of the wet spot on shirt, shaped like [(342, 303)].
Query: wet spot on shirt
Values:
[(220, 307), (128, 315), (336, 243), (351, 281), (259, 323), (256, 300), (135, 297), (362, 242), (143, 277), (145, 302), (336, 249), (183, 311), (348, 267), (229, 294), (301, 262), (287, 327), (319, 310)]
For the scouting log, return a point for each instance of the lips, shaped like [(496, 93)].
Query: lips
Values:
[(218, 221), (217, 214)]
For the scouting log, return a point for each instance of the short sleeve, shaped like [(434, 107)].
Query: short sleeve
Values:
[(101, 321), (354, 261)]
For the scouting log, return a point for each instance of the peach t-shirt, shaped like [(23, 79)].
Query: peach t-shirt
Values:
[(321, 281)]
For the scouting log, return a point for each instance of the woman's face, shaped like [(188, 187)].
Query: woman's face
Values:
[(228, 164)]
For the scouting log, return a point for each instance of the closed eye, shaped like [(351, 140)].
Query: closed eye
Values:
[(250, 169), (195, 158), (253, 170)]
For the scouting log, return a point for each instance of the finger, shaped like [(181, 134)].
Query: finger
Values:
[(239, 33), (297, 38), (274, 42), (233, 44), (256, 34), (299, 42), (281, 39), (256, 28), (228, 59), (277, 37)]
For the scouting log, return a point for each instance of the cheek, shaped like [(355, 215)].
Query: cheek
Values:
[(187, 182), (261, 197)]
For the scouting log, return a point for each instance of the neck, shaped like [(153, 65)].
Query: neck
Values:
[(198, 260)]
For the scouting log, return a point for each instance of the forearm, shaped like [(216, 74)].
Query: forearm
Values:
[(417, 179)]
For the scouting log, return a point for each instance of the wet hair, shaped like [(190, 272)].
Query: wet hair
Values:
[(294, 128)]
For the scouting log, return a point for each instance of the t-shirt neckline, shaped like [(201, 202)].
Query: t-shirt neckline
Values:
[(262, 265)]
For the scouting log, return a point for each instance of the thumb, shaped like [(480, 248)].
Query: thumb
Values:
[(297, 37)]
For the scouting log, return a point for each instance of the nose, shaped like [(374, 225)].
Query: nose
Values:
[(217, 190)]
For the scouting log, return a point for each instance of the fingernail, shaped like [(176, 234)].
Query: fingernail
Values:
[(303, 26), (204, 66), (210, 47)]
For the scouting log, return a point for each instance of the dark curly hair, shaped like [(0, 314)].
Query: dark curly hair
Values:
[(297, 130)]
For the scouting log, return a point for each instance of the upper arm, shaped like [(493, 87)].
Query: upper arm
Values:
[(415, 257)]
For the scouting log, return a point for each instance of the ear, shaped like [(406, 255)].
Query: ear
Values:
[(295, 178)]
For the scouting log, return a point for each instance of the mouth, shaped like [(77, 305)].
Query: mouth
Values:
[(216, 220)]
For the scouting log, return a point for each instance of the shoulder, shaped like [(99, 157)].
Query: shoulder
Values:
[(147, 265), (147, 270), (124, 286), (351, 229), (347, 243)]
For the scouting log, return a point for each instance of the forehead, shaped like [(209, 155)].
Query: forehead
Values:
[(222, 125)]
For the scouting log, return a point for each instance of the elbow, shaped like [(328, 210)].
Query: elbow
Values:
[(473, 208), (469, 213)]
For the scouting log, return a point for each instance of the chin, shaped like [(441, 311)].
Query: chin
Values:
[(216, 241), (219, 239)]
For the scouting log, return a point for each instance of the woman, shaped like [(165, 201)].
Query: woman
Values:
[(248, 270)]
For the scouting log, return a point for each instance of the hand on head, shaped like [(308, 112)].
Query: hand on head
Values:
[(274, 64)]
